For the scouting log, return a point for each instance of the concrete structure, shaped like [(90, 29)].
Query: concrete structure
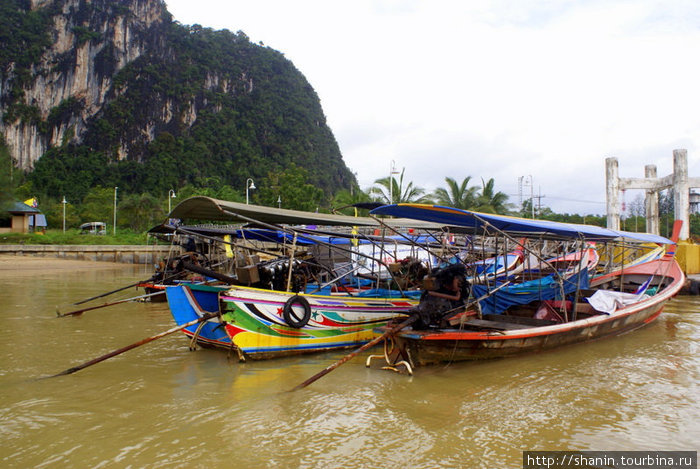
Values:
[(130, 254), (679, 181)]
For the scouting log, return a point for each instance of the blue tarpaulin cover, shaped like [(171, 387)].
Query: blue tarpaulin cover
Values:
[(546, 288)]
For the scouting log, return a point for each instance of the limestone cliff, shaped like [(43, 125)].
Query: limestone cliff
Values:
[(90, 43), (119, 81)]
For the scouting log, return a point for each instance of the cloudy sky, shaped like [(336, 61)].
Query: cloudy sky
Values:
[(533, 89)]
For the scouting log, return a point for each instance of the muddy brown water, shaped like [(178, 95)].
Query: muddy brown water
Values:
[(161, 405)]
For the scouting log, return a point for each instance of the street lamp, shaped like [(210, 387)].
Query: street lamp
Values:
[(115, 210), (391, 182), (279, 201), (247, 186), (64, 213), (523, 181), (532, 197), (171, 195)]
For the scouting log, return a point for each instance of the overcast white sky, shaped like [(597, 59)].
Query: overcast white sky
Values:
[(491, 89)]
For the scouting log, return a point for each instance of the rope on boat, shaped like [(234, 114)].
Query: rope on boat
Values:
[(193, 342)]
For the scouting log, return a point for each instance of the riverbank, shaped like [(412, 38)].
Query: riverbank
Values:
[(13, 263), (124, 254)]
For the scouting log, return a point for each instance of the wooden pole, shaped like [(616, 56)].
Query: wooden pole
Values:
[(410, 320), (113, 291), (81, 311), (351, 355)]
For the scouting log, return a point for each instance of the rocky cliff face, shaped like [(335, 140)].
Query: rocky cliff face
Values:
[(90, 43), (120, 93)]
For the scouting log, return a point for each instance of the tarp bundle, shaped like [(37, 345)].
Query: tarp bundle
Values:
[(546, 288)]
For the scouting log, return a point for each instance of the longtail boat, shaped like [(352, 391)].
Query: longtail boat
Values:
[(519, 331), (614, 303), (262, 324)]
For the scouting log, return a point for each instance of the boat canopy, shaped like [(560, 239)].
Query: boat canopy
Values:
[(305, 237), (482, 223), (206, 208)]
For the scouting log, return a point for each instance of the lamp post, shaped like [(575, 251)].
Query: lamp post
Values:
[(279, 201), (247, 187), (64, 213), (171, 195), (391, 182), (523, 181), (115, 210), (392, 171), (532, 197)]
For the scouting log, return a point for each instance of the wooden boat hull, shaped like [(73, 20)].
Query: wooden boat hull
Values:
[(432, 346), (425, 347), (254, 321), (251, 320), (188, 303)]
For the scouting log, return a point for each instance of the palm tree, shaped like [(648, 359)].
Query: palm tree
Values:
[(489, 201), (386, 189), (345, 198), (457, 195)]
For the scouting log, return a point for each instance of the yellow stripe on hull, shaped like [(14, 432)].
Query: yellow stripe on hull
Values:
[(250, 342)]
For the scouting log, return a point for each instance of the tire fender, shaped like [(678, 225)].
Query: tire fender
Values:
[(291, 316)]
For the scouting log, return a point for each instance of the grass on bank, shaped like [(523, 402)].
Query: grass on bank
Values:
[(123, 237)]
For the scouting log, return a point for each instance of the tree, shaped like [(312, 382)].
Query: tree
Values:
[(638, 211), (666, 212), (388, 188), (8, 170), (53, 209), (291, 188), (140, 212), (347, 197), (489, 201), (457, 195), (98, 204), (211, 187)]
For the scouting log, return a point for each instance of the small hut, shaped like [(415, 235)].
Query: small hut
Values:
[(22, 218)]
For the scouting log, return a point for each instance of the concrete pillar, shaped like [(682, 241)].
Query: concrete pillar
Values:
[(651, 202), (612, 193), (681, 191)]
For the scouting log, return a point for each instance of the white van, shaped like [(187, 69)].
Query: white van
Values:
[(94, 227)]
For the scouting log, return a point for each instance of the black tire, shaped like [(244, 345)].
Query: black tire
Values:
[(694, 287), (291, 316)]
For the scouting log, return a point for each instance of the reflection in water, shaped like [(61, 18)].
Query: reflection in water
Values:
[(161, 405)]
